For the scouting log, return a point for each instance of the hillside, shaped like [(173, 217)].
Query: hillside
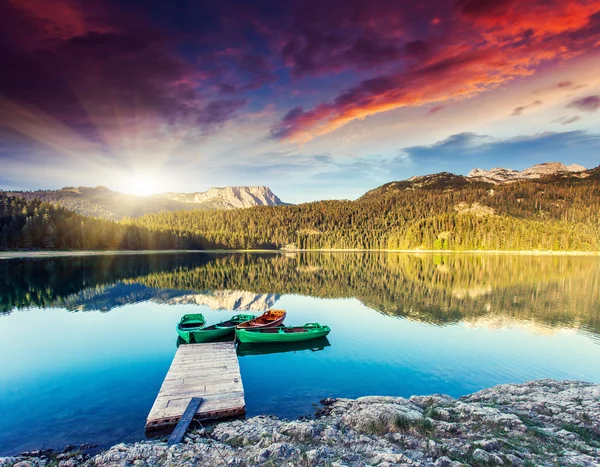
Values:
[(559, 211), (36, 225), (547, 172), (107, 204)]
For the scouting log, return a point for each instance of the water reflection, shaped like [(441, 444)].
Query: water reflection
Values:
[(484, 290), (401, 325), (315, 345)]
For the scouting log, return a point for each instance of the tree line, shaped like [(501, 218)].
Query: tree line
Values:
[(37, 225), (529, 215), (559, 214)]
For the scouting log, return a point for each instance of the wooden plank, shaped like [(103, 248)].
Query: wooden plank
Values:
[(184, 421), (217, 409), (207, 371)]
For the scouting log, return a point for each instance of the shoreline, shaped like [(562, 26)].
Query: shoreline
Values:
[(542, 422), (6, 255)]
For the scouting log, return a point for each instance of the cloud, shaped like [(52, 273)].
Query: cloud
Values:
[(436, 108), (519, 110), (116, 79), (586, 104), (489, 44), (566, 85), (458, 76), (483, 8), (567, 120), (220, 111), (468, 150), (351, 35)]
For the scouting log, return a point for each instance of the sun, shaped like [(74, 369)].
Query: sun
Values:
[(141, 185)]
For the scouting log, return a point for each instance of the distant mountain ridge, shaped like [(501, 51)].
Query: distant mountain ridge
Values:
[(107, 204), (501, 175), (545, 172), (230, 197)]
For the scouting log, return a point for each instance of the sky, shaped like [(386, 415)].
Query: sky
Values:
[(315, 99)]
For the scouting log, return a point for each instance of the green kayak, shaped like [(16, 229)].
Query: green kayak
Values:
[(282, 333), (220, 330), (189, 324)]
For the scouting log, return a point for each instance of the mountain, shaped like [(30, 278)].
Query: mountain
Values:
[(546, 172), (500, 175), (231, 197), (553, 209), (107, 204)]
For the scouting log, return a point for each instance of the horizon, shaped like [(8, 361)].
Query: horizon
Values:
[(316, 199), (314, 102)]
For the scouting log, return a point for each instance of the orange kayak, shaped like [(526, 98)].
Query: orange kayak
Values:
[(268, 319)]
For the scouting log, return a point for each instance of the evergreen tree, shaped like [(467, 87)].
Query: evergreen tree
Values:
[(26, 240)]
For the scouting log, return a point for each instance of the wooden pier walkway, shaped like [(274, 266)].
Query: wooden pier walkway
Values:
[(210, 371)]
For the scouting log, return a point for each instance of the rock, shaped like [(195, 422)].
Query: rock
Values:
[(442, 462), (480, 455), (489, 445), (37, 453), (544, 422), (576, 168), (479, 210)]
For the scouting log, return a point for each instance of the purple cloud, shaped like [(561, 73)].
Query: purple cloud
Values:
[(586, 104)]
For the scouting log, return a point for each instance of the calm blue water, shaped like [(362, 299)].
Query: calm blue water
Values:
[(85, 344)]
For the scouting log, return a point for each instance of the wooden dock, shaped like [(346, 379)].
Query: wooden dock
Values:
[(210, 371)]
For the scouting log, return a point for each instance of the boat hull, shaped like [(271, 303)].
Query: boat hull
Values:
[(190, 324), (221, 330), (283, 335), (210, 335), (267, 320)]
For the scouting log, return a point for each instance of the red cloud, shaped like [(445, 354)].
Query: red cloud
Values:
[(488, 44)]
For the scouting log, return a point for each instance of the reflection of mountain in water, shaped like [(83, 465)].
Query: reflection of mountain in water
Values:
[(227, 300), (107, 297), (553, 292)]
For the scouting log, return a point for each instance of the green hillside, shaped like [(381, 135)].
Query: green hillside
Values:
[(444, 212)]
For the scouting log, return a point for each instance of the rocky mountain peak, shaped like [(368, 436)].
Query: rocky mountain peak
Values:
[(500, 175), (230, 197)]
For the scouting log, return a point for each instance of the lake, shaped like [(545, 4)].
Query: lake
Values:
[(87, 341)]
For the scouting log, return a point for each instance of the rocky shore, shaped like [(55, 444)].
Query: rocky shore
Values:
[(539, 423)]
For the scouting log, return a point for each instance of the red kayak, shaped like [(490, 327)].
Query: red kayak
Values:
[(268, 319)]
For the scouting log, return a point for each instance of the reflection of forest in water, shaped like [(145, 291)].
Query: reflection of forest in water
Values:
[(551, 291)]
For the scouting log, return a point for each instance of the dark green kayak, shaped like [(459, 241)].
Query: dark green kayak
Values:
[(282, 333), (220, 330), (188, 324)]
